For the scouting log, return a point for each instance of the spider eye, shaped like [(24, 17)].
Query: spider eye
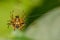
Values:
[(22, 23), (17, 16)]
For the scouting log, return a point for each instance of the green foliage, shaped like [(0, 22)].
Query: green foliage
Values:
[(39, 11)]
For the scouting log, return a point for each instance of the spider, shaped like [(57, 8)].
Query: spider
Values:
[(16, 22)]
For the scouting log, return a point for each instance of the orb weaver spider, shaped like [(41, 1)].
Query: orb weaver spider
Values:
[(17, 22)]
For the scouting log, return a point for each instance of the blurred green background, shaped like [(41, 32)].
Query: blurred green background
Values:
[(34, 10)]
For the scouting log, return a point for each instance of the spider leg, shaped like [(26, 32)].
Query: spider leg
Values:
[(21, 26), (14, 28), (8, 24)]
